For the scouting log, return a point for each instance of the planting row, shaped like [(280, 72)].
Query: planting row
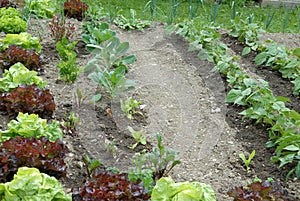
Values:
[(30, 141), (255, 94)]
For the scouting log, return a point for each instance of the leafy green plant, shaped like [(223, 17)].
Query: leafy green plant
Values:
[(131, 23), (111, 53), (11, 21), (31, 126), (113, 81), (18, 74), (23, 39), (29, 183), (151, 166), (138, 136), (42, 8), (166, 189), (60, 28), (91, 165), (68, 68), (280, 58), (247, 161), (247, 33), (95, 33), (130, 107), (69, 124)]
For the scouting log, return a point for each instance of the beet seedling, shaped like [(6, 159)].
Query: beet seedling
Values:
[(247, 161)]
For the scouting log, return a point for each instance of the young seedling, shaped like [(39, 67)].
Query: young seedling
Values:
[(138, 136), (247, 161), (69, 124), (90, 164), (130, 107)]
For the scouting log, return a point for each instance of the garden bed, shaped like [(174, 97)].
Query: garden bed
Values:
[(184, 102)]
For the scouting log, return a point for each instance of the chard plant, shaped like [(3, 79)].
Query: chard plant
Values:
[(151, 166)]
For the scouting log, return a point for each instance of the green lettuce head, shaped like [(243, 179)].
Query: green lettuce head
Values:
[(30, 184), (167, 190)]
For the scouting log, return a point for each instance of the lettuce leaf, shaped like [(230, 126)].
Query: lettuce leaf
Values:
[(31, 126), (42, 8), (23, 39), (18, 74), (167, 190), (30, 184)]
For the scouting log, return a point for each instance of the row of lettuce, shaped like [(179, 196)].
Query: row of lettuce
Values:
[(255, 94), (32, 148)]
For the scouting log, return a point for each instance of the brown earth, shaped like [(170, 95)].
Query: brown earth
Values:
[(184, 101)]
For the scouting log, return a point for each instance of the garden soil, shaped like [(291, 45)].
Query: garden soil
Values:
[(182, 99)]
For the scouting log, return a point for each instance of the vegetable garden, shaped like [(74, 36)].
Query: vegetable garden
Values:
[(149, 100)]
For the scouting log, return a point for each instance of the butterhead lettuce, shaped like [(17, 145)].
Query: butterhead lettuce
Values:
[(31, 185), (167, 190)]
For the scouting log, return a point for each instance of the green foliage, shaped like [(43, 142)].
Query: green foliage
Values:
[(282, 59), (113, 81), (95, 33), (247, 161), (30, 184), (42, 8), (131, 23), (151, 166), (31, 126), (138, 136), (19, 74), (68, 68), (167, 189), (247, 33), (111, 53), (70, 123), (91, 165), (23, 39), (11, 21), (130, 107)]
